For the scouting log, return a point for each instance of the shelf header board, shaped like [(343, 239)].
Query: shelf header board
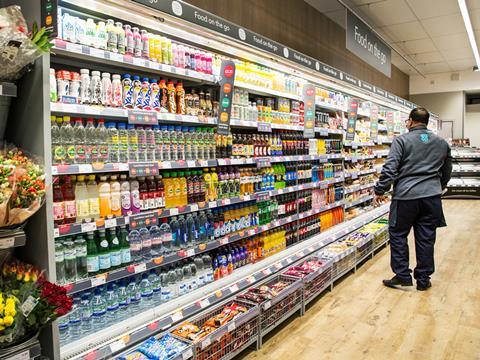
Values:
[(364, 43), (237, 33)]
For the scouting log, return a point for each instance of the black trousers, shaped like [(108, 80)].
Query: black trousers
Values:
[(424, 215)]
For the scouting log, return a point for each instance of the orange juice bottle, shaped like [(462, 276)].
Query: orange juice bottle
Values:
[(169, 190), (183, 200), (177, 189), (105, 197)]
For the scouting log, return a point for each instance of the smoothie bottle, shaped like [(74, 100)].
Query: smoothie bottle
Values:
[(129, 42), (127, 92)]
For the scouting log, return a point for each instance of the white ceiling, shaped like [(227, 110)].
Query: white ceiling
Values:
[(429, 33)]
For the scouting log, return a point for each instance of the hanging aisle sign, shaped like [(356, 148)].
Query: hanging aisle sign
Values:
[(374, 123), (390, 125), (227, 78), (352, 119), (309, 110), (226, 28)]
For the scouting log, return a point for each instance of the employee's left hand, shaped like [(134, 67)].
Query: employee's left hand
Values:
[(378, 200)]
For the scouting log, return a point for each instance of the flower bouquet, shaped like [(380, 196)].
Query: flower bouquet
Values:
[(18, 47), (22, 187), (28, 302)]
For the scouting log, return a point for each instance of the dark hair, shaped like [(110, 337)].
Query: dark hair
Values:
[(420, 115)]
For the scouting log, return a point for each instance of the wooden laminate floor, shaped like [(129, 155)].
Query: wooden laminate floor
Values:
[(361, 319)]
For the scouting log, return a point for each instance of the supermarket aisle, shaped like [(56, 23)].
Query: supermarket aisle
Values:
[(361, 319)]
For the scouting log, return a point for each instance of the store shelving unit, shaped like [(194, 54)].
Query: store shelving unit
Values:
[(117, 338), (465, 182)]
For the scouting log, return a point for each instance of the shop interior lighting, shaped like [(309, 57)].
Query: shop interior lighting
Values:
[(471, 36)]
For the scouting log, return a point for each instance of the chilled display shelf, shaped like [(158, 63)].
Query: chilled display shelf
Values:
[(31, 350), (327, 106), (254, 125), (182, 254), (8, 89), (83, 227), (381, 153), (12, 239), (355, 158), (120, 113), (355, 145), (112, 340), (466, 169), (107, 57), (463, 187), (356, 174), (259, 90), (359, 201), (354, 188), (326, 132)]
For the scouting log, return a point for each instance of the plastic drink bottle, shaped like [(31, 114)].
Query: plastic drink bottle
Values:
[(165, 233), (125, 199), (180, 143), (116, 204), (101, 38), (151, 146), (102, 141), (70, 208), (74, 319), (154, 95), (99, 309), (146, 94), (112, 36), (122, 143), (166, 145), (93, 197), (81, 257), (156, 240), (105, 197), (160, 203), (106, 89), (132, 143), (158, 143), (135, 242), (124, 245), (58, 149), (117, 99), (173, 143), (127, 92), (134, 196), (104, 258), (96, 88), (156, 286), (145, 44), (85, 89), (137, 92), (129, 41), (90, 142), (113, 143), (86, 313), (146, 292), (59, 262), (68, 139), (81, 199), (58, 203), (115, 250), (137, 41), (121, 39), (111, 299), (93, 262), (135, 296), (142, 144), (123, 299)]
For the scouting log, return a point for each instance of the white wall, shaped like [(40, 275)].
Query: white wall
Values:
[(472, 124), (436, 83), (449, 106)]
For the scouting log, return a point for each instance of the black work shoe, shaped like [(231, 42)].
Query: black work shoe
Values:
[(395, 281), (424, 287)]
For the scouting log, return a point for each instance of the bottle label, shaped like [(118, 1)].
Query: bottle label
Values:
[(112, 307), (104, 261), (126, 256), (166, 294), (81, 251), (167, 239), (147, 294), (82, 208), (115, 258), (99, 312), (69, 253), (125, 201), (156, 241), (135, 247), (71, 209), (80, 152), (135, 197), (92, 264), (59, 257), (116, 204), (71, 153), (146, 243), (58, 210), (59, 153), (94, 206)]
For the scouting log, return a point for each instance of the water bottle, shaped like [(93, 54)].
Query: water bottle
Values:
[(156, 239), (166, 295), (60, 262), (198, 261), (74, 319), (207, 266), (151, 146), (113, 143), (146, 292), (142, 144), (99, 309), (123, 299), (172, 282), (70, 260), (186, 284), (134, 295), (176, 239), (165, 236), (188, 143), (123, 143), (156, 287), (158, 143), (180, 143), (132, 144), (112, 304), (135, 245), (194, 283), (166, 148), (180, 281), (86, 313), (81, 257), (63, 330), (201, 226), (191, 231), (182, 232), (146, 252), (173, 143)]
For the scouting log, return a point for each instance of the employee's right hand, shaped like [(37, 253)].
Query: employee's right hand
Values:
[(378, 200)]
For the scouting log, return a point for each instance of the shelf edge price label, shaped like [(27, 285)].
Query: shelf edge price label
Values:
[(187, 354), (117, 345), (231, 326), (264, 126), (267, 305), (233, 288), (143, 220), (143, 169), (263, 162), (206, 342), (142, 117)]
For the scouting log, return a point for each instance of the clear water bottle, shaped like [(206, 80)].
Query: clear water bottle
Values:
[(74, 319), (158, 143), (166, 148), (156, 239), (176, 239), (122, 143), (63, 330), (156, 286), (142, 144), (172, 282), (70, 260), (81, 257), (182, 232), (135, 245), (146, 292), (173, 143), (112, 304), (180, 143), (188, 143), (99, 309), (194, 283), (60, 262), (146, 252), (200, 271), (134, 295), (151, 146), (180, 283), (187, 277), (102, 141), (86, 313), (79, 141), (123, 299), (201, 226), (207, 267), (132, 143), (193, 139), (164, 282), (165, 236), (113, 143), (191, 231)]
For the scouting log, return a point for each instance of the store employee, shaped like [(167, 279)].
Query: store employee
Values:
[(419, 166)]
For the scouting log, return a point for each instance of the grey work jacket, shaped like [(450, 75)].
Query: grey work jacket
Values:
[(419, 165)]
